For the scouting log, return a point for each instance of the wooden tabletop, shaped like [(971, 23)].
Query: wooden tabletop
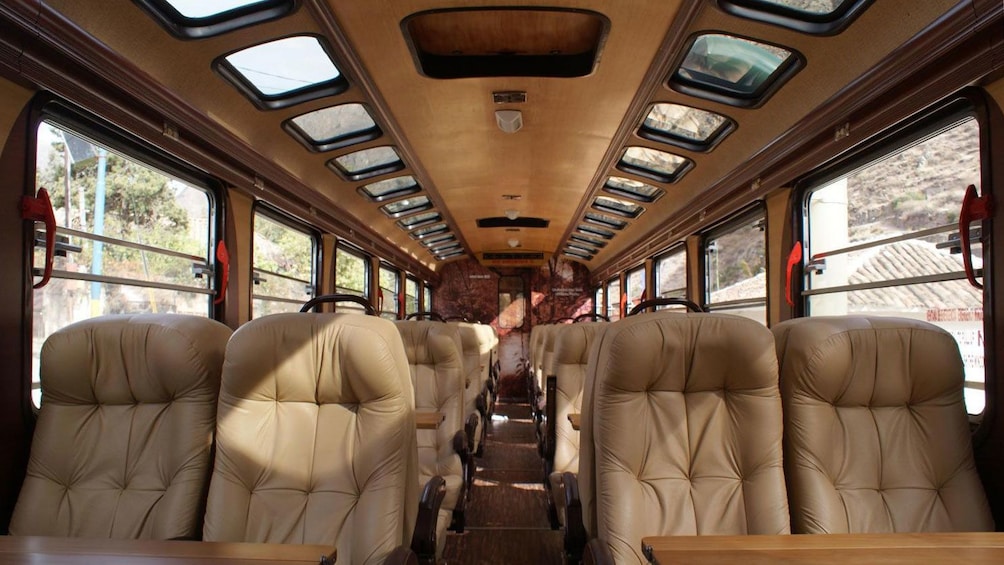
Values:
[(80, 551), (574, 418), (428, 420), (888, 549)]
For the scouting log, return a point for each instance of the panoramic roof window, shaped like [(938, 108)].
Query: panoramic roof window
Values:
[(444, 246), (333, 127), (437, 239), (654, 164), (578, 254), (498, 42), (283, 72), (618, 207), (455, 253), (367, 163), (404, 206), (388, 189), (587, 240), (633, 189), (195, 19), (419, 220), (582, 248), (605, 220), (733, 70), (426, 231), (593, 230), (683, 126), (820, 17)]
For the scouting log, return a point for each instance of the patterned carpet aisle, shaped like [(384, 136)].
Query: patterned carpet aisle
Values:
[(507, 513)]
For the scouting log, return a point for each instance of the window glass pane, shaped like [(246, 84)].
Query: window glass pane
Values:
[(635, 290), (411, 289), (581, 248), (735, 267), (351, 277), (196, 9), (283, 267), (605, 220), (594, 230), (732, 64), (614, 300), (619, 207), (449, 254), (684, 122), (817, 7), (441, 248), (512, 302), (367, 159), (406, 205), (391, 188), (335, 122), (160, 229), (579, 238), (658, 165), (425, 231), (414, 220), (911, 194), (578, 253), (285, 65), (671, 275), (389, 283), (598, 301), (434, 240), (629, 188), (428, 298)]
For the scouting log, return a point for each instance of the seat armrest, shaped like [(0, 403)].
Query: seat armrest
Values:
[(575, 531), (462, 448), (423, 540), (470, 431), (598, 553)]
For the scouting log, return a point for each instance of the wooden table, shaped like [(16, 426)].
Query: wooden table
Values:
[(575, 419), (80, 551), (969, 548), (428, 420)]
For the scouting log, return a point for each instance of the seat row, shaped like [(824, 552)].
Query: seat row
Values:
[(697, 423), (296, 428)]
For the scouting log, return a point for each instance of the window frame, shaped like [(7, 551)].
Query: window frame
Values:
[(186, 28), (662, 136), (748, 215), (281, 217), (339, 141), (673, 251), (782, 16), (352, 250), (396, 292)]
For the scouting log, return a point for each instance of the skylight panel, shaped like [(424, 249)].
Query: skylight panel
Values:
[(581, 248), (657, 165), (445, 247), (605, 220), (734, 70), (426, 231), (618, 207), (633, 189), (283, 72), (196, 19), (389, 189), (437, 239), (578, 254), (333, 127), (587, 240), (597, 231), (819, 17), (415, 220), (367, 163), (404, 206), (449, 255), (683, 126)]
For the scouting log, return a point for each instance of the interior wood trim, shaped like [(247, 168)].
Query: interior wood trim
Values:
[(89, 74), (329, 25), (959, 48)]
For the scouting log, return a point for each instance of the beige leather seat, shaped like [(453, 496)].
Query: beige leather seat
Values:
[(470, 343), (681, 432), (536, 358), (571, 356), (122, 444), (315, 437), (434, 358), (876, 433)]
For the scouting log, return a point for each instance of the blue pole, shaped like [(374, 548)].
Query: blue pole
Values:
[(99, 229)]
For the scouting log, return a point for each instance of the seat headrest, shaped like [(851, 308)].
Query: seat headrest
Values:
[(573, 343), (430, 343)]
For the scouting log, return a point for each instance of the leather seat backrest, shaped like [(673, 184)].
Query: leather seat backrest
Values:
[(123, 439), (434, 359), (316, 436), (876, 433), (547, 360), (470, 345), (536, 353), (486, 343), (571, 357), (681, 431)]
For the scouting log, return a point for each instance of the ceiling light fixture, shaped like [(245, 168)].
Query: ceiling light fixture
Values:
[(512, 214), (514, 243), (509, 121)]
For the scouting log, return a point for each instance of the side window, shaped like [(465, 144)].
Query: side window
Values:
[(598, 301), (411, 290), (671, 274), (352, 275), (735, 260), (283, 263), (130, 238), (882, 239), (614, 299), (635, 288), (428, 298), (390, 283)]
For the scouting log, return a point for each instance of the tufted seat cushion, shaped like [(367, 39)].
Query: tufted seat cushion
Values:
[(471, 353), (681, 431), (876, 433), (122, 444), (316, 437)]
